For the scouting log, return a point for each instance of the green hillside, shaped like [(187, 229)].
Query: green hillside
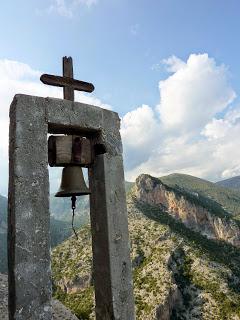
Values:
[(232, 183), (229, 199), (170, 263), (128, 186), (176, 270)]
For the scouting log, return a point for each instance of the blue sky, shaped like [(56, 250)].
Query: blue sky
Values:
[(124, 48), (115, 43)]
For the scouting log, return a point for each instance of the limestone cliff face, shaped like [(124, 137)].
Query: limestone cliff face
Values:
[(152, 191), (76, 284)]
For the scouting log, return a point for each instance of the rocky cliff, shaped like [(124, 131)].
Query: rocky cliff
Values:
[(196, 212)]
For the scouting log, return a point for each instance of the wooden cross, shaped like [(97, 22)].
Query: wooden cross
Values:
[(68, 83)]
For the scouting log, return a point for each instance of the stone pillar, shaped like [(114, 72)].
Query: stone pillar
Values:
[(29, 218), (111, 255)]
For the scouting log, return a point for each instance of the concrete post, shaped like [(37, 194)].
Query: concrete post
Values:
[(28, 220), (111, 262)]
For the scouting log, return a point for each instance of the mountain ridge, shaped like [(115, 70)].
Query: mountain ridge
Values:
[(229, 199), (231, 183), (179, 273)]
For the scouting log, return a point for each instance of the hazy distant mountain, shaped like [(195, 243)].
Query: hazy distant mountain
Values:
[(232, 183), (128, 186), (60, 229), (60, 208)]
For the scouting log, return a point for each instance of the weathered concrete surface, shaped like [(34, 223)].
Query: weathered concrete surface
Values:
[(111, 262), (3, 297), (60, 312), (30, 289), (29, 219)]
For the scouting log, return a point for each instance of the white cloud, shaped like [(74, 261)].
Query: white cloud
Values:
[(217, 128), (194, 93), (187, 132), (17, 77), (139, 129), (66, 8), (174, 64)]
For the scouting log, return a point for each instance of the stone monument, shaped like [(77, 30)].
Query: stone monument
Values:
[(31, 120)]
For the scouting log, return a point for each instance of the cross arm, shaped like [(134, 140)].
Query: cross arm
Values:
[(58, 81)]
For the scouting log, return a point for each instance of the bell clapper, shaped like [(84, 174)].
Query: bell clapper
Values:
[(74, 199)]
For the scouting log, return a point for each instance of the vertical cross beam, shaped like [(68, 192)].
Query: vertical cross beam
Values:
[(68, 92)]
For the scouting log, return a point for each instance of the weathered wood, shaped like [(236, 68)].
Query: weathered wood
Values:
[(65, 150), (59, 81), (86, 155), (68, 91), (67, 82)]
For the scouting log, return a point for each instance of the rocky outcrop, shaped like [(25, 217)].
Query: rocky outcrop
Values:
[(60, 312), (198, 218), (164, 311), (75, 285)]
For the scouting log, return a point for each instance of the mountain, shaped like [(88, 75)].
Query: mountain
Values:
[(184, 249), (60, 224), (61, 215), (128, 186), (229, 199), (232, 183), (60, 209)]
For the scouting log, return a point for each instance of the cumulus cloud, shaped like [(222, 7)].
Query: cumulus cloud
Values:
[(194, 93), (139, 129), (66, 8), (191, 130), (17, 77)]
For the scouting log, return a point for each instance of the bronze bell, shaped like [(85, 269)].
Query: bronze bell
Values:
[(72, 183)]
